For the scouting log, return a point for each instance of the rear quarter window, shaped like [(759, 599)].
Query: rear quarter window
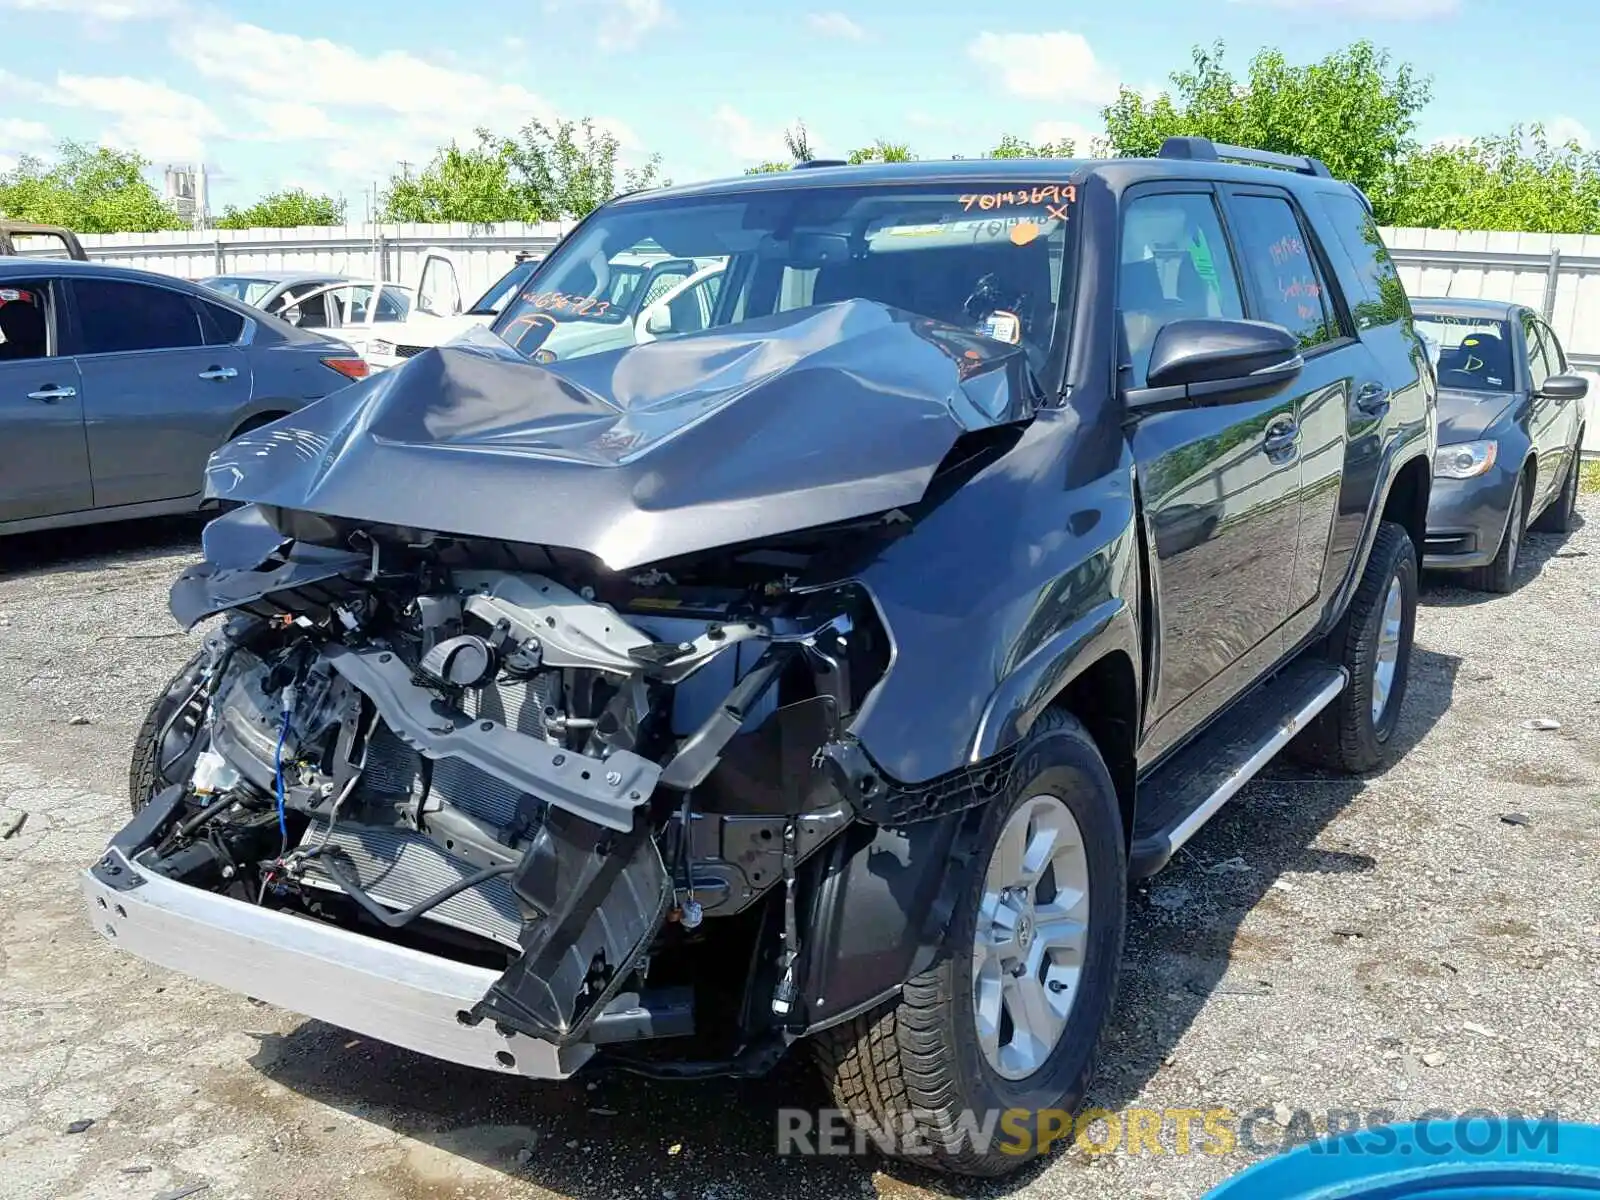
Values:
[(1380, 298)]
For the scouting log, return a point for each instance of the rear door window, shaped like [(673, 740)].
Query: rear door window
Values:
[(115, 317), (1288, 285), (222, 326), (1382, 299)]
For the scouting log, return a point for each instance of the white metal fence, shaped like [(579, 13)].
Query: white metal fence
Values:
[(482, 252), (1556, 273)]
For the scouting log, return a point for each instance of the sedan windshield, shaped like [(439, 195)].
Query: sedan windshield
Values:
[(987, 259), (1469, 352), (240, 287)]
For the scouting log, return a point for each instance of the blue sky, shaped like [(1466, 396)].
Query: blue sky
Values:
[(333, 95)]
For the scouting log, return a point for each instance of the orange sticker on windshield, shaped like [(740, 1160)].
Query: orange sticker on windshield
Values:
[(1024, 232)]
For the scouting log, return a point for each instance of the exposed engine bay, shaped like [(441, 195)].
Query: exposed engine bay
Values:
[(571, 780)]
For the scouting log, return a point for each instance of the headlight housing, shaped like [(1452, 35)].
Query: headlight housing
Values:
[(1464, 460)]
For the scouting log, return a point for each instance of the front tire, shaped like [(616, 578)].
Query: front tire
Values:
[(945, 1060), (1562, 515), (1373, 644), (1500, 576), (169, 736)]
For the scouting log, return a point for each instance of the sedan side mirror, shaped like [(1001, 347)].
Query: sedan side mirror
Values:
[(1565, 387), (1204, 360)]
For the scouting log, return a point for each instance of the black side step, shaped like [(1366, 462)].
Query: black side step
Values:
[(1187, 790)]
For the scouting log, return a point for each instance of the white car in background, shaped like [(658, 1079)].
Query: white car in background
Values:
[(641, 295), (358, 310), (424, 329), (353, 311)]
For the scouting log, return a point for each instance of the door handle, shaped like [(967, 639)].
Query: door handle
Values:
[(50, 393), (218, 373), (1282, 434), (1373, 399)]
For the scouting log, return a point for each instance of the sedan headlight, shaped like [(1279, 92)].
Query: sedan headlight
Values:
[(378, 346), (1464, 460)]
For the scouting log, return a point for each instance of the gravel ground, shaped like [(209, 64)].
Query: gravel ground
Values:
[(1324, 944)]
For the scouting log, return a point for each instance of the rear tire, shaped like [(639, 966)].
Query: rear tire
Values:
[(1500, 576), (1562, 515), (917, 1067), (1373, 644)]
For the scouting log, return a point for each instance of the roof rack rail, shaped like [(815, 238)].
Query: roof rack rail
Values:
[(1199, 149), (820, 162)]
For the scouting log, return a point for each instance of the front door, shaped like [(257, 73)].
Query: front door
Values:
[(438, 285), (1220, 484), (157, 399), (1552, 422), (44, 459)]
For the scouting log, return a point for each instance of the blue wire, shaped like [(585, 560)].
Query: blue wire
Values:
[(277, 764)]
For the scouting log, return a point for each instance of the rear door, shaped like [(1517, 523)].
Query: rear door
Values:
[(1220, 484), (44, 457), (1562, 416), (1289, 283), (157, 397), (1545, 416)]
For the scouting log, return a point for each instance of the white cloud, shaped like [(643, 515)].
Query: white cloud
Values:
[(835, 25), (368, 110), (742, 139), (626, 22), (1056, 66), (16, 132), (1396, 10), (158, 121), (1562, 130), (100, 10)]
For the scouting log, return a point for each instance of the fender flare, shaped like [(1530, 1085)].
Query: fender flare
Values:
[(1028, 690)]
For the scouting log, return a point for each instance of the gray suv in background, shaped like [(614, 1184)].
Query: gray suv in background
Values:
[(116, 385)]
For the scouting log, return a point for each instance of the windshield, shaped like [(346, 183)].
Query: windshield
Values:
[(1468, 352), (987, 259), (241, 287), (500, 292)]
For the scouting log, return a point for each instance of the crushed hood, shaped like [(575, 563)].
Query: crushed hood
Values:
[(637, 455)]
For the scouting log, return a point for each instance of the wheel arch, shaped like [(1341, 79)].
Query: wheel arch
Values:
[(256, 420), (1406, 503)]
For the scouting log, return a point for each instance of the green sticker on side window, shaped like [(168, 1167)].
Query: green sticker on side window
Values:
[(1200, 256)]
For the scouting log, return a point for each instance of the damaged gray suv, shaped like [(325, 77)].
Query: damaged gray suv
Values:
[(818, 663)]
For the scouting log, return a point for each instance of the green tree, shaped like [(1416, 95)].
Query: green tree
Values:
[(1353, 109), (472, 184), (797, 141), (1012, 146), (88, 189), (545, 173), (1518, 181), (284, 210), (884, 152), (570, 169)]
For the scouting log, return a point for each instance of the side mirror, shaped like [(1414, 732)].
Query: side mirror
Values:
[(1565, 387), (1204, 360), (657, 321)]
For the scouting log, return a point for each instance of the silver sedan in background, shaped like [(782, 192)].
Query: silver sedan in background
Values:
[(116, 385)]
